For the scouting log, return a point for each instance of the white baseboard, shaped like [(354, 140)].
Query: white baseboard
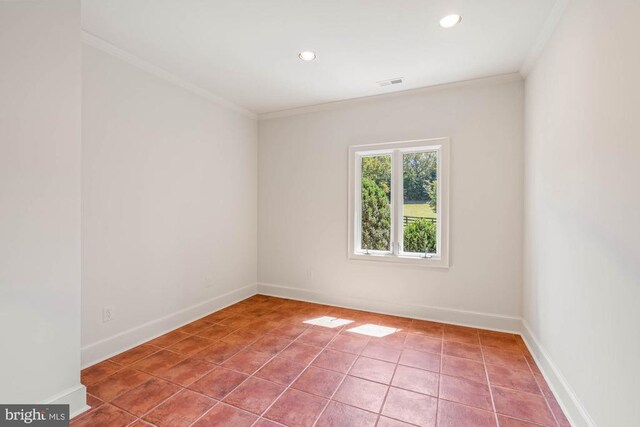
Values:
[(108, 347), (495, 322), (75, 397), (566, 397)]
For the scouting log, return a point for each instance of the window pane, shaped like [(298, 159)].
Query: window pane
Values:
[(376, 203), (420, 181)]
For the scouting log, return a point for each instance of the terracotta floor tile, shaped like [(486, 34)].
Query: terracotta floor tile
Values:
[(430, 329), (301, 353), (395, 339), (296, 409), (237, 321), (316, 337), (372, 369), (190, 346), (254, 395), (93, 402), (270, 344), (532, 364), (465, 391), (320, 382), (247, 361), (423, 343), (516, 379), (349, 343), (335, 360), (218, 352), (195, 327), (382, 351), (465, 368), (98, 372), (290, 332), (168, 339), (214, 332), (417, 380), (140, 423), (105, 416), (419, 359), (181, 409), (461, 334), (389, 422), (217, 317), (468, 351), (130, 356), (451, 414), (159, 362), (117, 384), (218, 383), (280, 370), (411, 407), (557, 412), (521, 405), (512, 359), (242, 337), (337, 414), (505, 342), (187, 371), (361, 393), (512, 422), (263, 422), (226, 416), (145, 397)]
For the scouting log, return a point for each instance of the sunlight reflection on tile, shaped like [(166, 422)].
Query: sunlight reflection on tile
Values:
[(328, 322), (373, 330)]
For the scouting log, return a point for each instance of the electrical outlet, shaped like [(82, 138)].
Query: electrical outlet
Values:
[(108, 313)]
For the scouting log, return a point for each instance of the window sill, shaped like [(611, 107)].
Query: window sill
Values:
[(434, 262)]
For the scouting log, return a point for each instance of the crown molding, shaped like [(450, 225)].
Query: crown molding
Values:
[(103, 45), (492, 80), (544, 36)]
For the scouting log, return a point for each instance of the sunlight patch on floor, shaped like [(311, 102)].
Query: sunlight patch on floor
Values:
[(328, 322), (373, 330)]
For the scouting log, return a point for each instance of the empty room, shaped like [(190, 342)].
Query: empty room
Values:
[(303, 213)]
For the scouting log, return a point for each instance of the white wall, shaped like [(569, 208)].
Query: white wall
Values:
[(40, 202), (582, 245), (303, 169), (169, 204)]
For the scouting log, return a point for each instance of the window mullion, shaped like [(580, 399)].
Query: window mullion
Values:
[(396, 196)]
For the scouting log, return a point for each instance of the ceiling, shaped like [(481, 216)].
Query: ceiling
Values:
[(246, 51)]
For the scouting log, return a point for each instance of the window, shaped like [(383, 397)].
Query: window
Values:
[(398, 202)]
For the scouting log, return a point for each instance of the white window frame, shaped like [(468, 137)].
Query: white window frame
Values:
[(396, 255)]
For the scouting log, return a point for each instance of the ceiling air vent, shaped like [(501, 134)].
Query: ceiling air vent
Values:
[(390, 82)]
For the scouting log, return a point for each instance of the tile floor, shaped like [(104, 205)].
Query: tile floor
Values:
[(257, 364)]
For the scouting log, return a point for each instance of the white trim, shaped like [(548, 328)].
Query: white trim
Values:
[(573, 409), (495, 322), (395, 150), (108, 347), (95, 41), (75, 397), (483, 81), (544, 36)]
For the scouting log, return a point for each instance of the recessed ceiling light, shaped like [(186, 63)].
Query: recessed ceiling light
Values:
[(450, 21), (307, 55)]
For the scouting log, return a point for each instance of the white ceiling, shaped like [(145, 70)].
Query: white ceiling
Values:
[(246, 50)]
